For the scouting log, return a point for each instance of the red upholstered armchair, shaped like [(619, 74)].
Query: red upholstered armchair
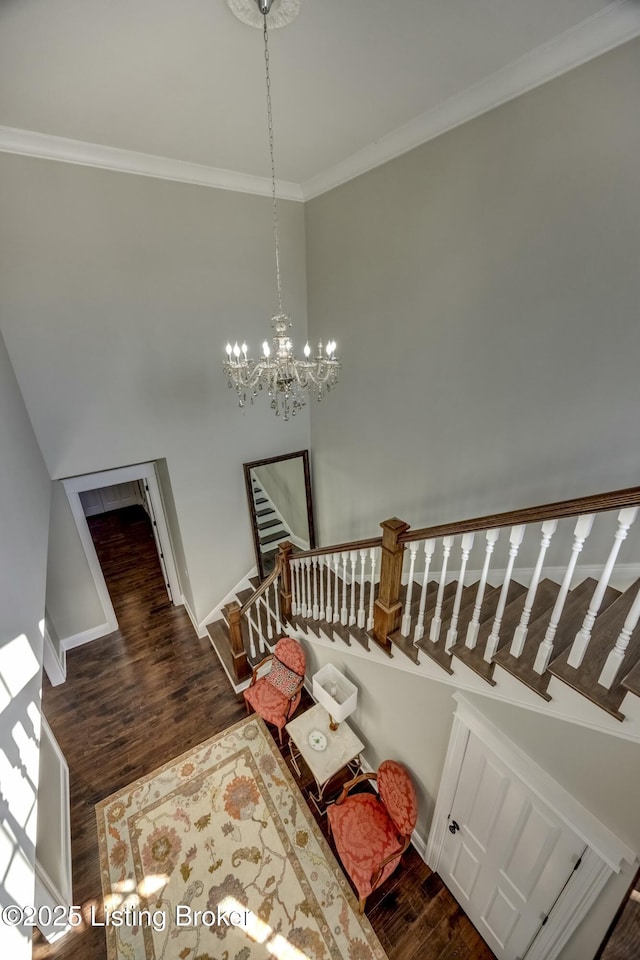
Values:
[(276, 694), (372, 832)]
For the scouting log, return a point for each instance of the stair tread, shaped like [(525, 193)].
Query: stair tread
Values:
[(584, 679), (474, 658), (243, 595), (405, 645), (269, 523), (631, 681), (342, 632), (272, 537), (436, 650), (468, 599), (522, 667), (264, 513)]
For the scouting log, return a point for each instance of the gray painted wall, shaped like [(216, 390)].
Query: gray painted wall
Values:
[(72, 601), (488, 284), (24, 522), (119, 295), (484, 292)]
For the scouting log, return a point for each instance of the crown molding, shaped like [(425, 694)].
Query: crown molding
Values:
[(614, 26), (29, 143)]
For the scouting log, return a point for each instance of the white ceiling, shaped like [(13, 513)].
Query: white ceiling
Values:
[(354, 81)]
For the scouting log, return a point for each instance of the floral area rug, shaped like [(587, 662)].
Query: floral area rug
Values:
[(215, 856)]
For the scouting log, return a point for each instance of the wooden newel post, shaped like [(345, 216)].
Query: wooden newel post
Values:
[(241, 668), (285, 550), (387, 611)]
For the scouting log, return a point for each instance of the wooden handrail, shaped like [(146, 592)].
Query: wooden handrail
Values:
[(616, 499), (340, 548), (261, 589)]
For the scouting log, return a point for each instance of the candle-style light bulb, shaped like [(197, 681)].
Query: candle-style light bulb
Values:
[(236, 350), (266, 349), (307, 349), (244, 350), (229, 349)]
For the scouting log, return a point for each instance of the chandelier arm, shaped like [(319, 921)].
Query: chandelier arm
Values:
[(274, 198)]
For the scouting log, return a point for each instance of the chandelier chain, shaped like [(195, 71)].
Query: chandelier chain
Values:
[(273, 164), (287, 379)]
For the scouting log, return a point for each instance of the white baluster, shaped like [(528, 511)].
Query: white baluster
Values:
[(328, 613), (303, 591), (307, 564), (344, 612), (580, 534), (269, 614), (581, 642), (336, 587), (405, 626), (353, 558), (277, 594), (252, 643), (295, 589), (429, 547), (361, 613), (515, 539), (261, 644), (520, 633), (474, 626), (373, 587), (314, 563), (321, 578), (452, 632), (616, 656), (436, 623)]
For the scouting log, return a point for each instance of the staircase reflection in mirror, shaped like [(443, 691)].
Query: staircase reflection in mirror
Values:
[(280, 505)]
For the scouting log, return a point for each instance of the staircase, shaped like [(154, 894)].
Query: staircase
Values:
[(499, 605), (271, 526)]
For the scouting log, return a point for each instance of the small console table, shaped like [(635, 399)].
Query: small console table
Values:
[(326, 752)]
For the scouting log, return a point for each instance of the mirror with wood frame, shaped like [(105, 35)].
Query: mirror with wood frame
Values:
[(280, 505)]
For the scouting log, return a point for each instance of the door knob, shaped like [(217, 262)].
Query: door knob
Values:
[(454, 827)]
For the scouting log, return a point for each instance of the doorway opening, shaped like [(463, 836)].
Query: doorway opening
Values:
[(120, 514)]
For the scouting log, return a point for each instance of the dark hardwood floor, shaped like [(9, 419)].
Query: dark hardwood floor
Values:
[(143, 695)]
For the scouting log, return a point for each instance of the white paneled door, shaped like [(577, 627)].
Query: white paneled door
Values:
[(113, 497), (507, 856)]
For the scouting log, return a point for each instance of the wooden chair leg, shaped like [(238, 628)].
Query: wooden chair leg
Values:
[(363, 900)]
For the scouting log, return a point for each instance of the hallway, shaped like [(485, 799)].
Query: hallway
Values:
[(148, 692)]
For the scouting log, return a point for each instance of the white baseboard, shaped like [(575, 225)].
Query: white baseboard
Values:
[(200, 630), (94, 633), (420, 845), (216, 613)]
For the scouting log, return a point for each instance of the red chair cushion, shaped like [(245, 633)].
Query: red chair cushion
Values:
[(281, 677), (398, 794), (270, 703), (364, 835), (289, 652)]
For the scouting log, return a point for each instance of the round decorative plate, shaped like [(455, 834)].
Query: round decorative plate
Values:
[(317, 740)]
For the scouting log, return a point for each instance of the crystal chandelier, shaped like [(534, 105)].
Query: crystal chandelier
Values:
[(286, 378)]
